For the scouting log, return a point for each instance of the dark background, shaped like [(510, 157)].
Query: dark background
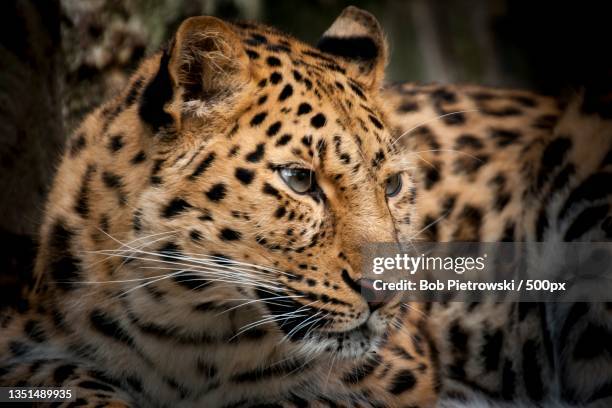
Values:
[(60, 58)]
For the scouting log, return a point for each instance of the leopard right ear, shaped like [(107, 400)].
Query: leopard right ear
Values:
[(204, 69), (356, 37)]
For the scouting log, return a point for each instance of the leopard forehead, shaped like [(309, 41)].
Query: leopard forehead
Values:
[(300, 100)]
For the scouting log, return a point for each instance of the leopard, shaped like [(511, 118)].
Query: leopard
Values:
[(510, 165), (201, 238), (197, 219)]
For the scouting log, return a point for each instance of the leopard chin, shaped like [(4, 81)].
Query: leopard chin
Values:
[(353, 343)]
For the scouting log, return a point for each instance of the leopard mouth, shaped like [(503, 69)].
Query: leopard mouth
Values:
[(362, 327), (317, 335)]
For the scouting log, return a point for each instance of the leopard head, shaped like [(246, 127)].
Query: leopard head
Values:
[(228, 191)]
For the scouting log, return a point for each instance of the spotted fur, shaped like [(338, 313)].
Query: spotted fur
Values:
[(508, 165), (169, 234), (177, 268)]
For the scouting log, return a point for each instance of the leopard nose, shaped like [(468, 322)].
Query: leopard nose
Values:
[(375, 298)]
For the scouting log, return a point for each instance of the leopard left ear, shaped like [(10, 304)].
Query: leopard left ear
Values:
[(205, 69), (356, 37)]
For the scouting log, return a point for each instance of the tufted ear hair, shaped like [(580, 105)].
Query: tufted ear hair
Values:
[(203, 70), (357, 37), (207, 59)]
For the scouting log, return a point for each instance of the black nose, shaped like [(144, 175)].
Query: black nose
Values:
[(365, 287), (375, 298)]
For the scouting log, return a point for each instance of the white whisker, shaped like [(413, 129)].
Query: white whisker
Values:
[(429, 121)]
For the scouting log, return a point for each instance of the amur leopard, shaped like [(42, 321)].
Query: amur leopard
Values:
[(201, 243)]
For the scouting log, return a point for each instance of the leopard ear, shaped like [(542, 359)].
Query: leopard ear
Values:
[(207, 59), (203, 70), (357, 37)]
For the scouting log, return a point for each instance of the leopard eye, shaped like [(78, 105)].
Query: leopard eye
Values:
[(301, 181), (394, 185)]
